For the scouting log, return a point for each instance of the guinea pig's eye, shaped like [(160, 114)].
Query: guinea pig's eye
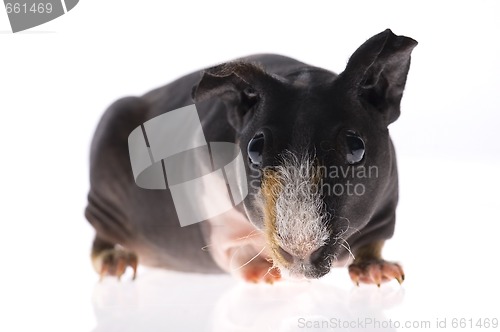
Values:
[(255, 148), (355, 147)]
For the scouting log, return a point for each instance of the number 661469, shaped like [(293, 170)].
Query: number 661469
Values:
[(35, 8)]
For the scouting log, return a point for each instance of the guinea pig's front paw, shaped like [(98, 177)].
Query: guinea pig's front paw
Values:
[(114, 262), (260, 270), (375, 271)]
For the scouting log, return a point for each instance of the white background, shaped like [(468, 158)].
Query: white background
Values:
[(57, 79)]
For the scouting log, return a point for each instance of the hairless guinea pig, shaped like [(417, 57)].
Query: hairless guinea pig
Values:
[(320, 165)]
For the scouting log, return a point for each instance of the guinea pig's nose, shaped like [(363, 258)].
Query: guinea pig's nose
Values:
[(317, 255), (313, 257)]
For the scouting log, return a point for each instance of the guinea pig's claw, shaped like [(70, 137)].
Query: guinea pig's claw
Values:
[(375, 271), (354, 279), (400, 279)]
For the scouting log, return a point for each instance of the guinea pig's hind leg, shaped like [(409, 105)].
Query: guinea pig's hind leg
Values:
[(370, 268), (111, 260)]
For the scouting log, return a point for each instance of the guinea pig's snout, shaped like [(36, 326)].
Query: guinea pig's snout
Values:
[(312, 257), (313, 264), (294, 217)]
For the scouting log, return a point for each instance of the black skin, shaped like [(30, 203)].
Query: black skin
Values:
[(297, 107)]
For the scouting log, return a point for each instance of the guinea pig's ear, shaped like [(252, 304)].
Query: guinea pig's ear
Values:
[(238, 84), (378, 70)]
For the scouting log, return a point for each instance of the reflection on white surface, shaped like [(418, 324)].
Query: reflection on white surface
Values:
[(157, 301), (290, 307), (168, 301)]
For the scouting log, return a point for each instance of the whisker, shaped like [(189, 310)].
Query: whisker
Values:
[(269, 272), (232, 259), (349, 227), (348, 248), (248, 262), (251, 234), (205, 248)]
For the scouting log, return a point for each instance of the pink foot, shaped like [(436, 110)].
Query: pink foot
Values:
[(375, 271), (260, 271)]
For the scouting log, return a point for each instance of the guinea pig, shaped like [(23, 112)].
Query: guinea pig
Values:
[(322, 184)]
